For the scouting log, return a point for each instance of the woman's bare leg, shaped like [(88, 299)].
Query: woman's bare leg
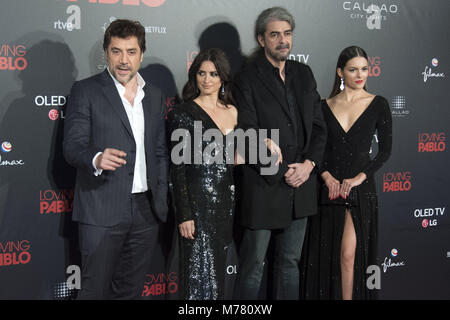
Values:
[(348, 248)]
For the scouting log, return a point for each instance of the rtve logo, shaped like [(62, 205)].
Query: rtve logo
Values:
[(150, 3)]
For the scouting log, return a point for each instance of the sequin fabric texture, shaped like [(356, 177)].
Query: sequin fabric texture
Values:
[(203, 192)]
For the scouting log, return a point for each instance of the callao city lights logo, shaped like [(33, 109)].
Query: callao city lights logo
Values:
[(399, 107), (397, 181), (14, 253), (432, 142), (373, 14)]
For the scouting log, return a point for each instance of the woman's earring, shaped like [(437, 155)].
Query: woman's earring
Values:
[(222, 90), (342, 84)]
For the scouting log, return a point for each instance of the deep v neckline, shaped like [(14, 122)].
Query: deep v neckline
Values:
[(357, 119), (211, 119)]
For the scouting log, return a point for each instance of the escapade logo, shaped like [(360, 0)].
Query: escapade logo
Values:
[(397, 181), (56, 201), (429, 216), (54, 102), (389, 263), (12, 57), (14, 252), (150, 3), (432, 142), (429, 71), (160, 284), (374, 14)]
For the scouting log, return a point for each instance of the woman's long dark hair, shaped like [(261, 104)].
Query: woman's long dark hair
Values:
[(346, 55), (220, 61)]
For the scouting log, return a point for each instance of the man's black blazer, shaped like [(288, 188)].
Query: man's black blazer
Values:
[(95, 120), (267, 202)]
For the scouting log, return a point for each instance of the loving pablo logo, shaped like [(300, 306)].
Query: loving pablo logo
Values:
[(431, 142), (56, 201), (397, 181), (374, 66), (160, 284), (14, 253), (12, 57)]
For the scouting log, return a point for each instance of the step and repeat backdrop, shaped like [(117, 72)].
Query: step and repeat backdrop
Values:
[(46, 45)]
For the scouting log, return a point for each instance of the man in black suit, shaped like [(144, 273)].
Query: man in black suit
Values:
[(114, 136), (275, 93)]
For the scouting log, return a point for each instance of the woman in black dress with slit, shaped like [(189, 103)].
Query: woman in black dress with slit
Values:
[(341, 240)]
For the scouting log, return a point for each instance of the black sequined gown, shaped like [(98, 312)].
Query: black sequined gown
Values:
[(203, 192), (346, 155)]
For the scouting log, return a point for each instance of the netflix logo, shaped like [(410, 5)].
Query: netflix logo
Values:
[(56, 201)]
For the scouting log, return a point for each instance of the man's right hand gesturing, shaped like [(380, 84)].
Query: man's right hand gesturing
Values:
[(110, 159)]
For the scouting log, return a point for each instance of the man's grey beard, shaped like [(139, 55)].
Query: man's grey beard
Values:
[(278, 56)]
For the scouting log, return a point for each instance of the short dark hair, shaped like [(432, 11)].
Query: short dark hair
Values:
[(220, 61), (346, 55), (123, 28)]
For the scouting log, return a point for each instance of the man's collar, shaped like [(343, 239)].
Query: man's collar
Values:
[(266, 65)]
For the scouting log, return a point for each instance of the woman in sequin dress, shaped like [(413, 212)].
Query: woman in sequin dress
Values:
[(202, 175), (341, 240)]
